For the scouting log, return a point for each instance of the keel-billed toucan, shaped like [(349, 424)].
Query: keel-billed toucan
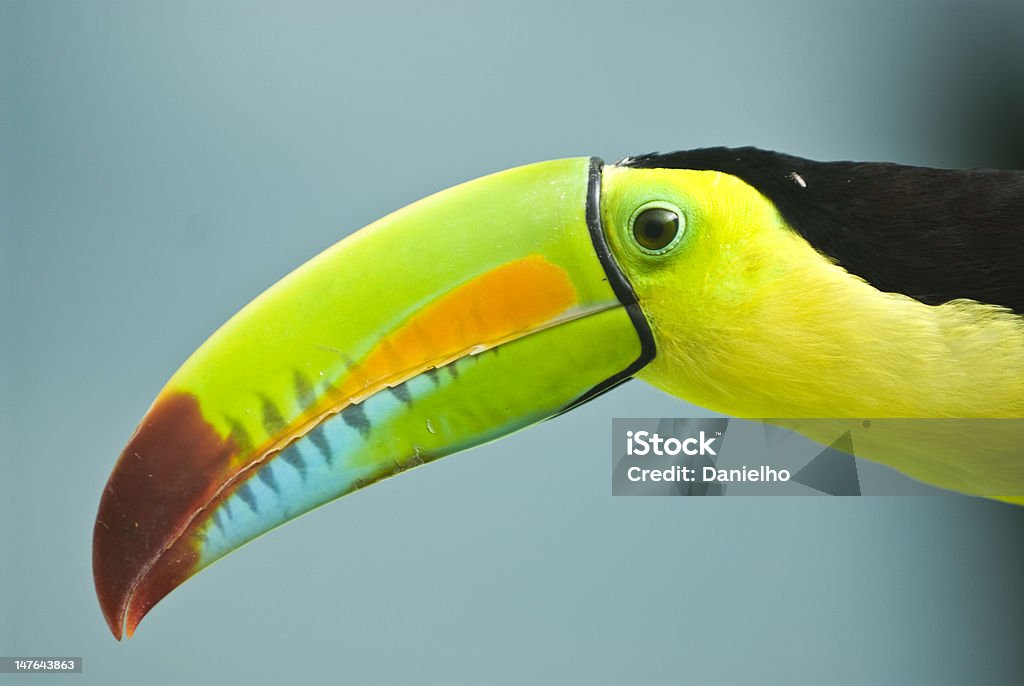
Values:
[(751, 283)]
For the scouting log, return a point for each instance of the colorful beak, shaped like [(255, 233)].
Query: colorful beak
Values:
[(464, 317)]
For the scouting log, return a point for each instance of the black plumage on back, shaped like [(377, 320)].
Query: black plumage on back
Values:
[(933, 234)]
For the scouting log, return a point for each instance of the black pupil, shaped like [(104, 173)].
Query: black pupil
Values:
[(655, 228)]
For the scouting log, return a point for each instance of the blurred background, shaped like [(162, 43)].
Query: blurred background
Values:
[(163, 163)]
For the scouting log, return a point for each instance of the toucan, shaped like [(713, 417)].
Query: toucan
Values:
[(752, 283)]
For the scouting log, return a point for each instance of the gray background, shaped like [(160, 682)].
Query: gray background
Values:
[(163, 163)]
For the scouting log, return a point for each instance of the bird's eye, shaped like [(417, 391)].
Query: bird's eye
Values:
[(656, 229)]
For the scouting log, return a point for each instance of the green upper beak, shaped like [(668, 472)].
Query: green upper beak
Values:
[(461, 318)]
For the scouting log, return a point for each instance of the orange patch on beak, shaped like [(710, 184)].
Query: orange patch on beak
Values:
[(486, 311)]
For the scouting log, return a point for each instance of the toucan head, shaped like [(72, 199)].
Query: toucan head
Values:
[(717, 273), (513, 298)]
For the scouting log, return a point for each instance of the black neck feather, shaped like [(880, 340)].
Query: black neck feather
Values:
[(933, 234)]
